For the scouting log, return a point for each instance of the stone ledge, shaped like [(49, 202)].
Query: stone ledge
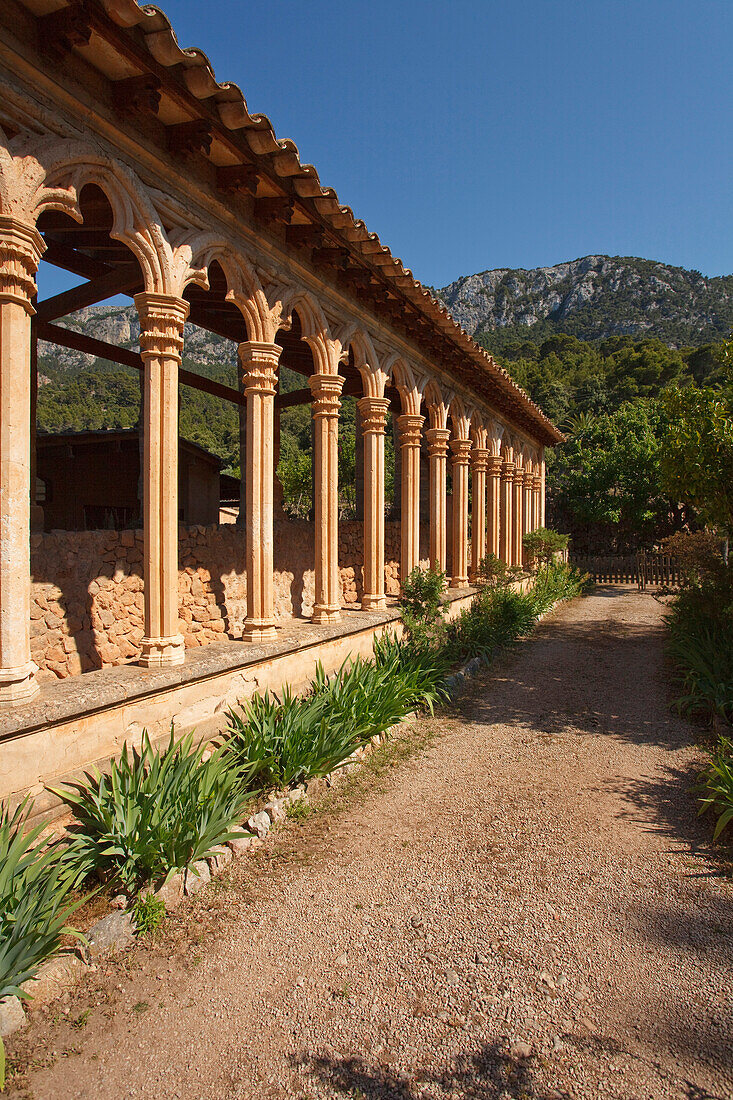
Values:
[(92, 692)]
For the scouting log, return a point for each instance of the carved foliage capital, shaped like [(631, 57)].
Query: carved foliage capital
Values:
[(507, 471), (437, 442), (410, 428), (494, 465), (461, 449), (326, 390), (373, 412), (162, 318), (21, 248), (259, 363), (480, 460)]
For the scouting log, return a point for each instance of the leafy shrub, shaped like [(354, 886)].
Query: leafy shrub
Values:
[(717, 785), (35, 900), (422, 604), (700, 643), (494, 572), (154, 813), (276, 744), (542, 544)]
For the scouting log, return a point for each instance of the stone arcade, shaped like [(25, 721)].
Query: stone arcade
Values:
[(125, 162)]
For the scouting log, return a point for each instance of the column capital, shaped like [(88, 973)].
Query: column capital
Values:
[(410, 428), (461, 449), (257, 351), (507, 471), (437, 442), (21, 248), (162, 317), (326, 390), (373, 412), (479, 460), (493, 465), (537, 481)]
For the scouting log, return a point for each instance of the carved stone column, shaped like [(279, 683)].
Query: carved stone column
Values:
[(461, 449), (373, 413), (518, 510), (536, 506), (543, 493), (21, 247), (410, 426), (162, 318), (438, 454), (326, 389), (506, 545), (259, 379), (479, 466), (494, 504)]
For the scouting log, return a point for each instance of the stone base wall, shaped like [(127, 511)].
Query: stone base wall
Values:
[(87, 588)]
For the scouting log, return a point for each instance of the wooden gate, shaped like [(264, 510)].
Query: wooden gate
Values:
[(647, 569)]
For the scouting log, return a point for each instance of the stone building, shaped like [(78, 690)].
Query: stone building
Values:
[(125, 162)]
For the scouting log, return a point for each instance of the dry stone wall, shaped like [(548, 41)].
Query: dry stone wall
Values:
[(87, 588)]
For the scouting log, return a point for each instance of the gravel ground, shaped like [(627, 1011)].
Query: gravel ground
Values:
[(525, 905)]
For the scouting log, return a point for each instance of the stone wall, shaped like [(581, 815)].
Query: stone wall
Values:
[(87, 591)]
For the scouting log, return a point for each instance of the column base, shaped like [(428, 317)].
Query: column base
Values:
[(258, 630), (324, 614), (18, 685), (162, 652), (373, 603), (459, 582)]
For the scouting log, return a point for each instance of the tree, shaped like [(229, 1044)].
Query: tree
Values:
[(697, 454)]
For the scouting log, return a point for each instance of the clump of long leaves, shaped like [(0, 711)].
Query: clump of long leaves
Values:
[(700, 643), (279, 742), (717, 785), (555, 580), (154, 813), (36, 883), (273, 742)]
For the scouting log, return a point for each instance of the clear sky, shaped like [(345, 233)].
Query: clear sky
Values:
[(473, 134)]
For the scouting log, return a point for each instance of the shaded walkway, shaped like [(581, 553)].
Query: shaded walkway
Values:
[(525, 908)]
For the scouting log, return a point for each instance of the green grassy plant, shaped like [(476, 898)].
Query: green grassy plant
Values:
[(700, 643), (35, 900), (154, 812), (717, 786), (148, 914)]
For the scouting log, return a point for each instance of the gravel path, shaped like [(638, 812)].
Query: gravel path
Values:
[(525, 907)]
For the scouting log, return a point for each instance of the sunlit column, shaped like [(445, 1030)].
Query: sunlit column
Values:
[(438, 454), (461, 449), (506, 544), (518, 516), (326, 389), (259, 363), (479, 465), (373, 412), (21, 247), (410, 427), (494, 504)]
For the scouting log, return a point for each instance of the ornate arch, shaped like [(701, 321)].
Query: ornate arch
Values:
[(477, 430), (438, 404), (460, 417), (495, 432), (366, 361), (410, 384), (285, 300), (49, 174)]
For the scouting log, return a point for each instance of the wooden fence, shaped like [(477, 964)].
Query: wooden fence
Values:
[(645, 568)]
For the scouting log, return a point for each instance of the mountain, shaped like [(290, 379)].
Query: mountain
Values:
[(593, 298)]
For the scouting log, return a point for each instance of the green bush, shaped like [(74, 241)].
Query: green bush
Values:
[(36, 885), (543, 543), (273, 743), (154, 813), (717, 785), (494, 572), (700, 643), (422, 604)]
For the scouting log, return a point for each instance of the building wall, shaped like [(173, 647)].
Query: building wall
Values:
[(87, 588)]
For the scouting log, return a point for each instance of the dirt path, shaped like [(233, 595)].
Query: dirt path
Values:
[(527, 908)]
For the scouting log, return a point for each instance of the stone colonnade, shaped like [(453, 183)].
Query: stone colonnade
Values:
[(506, 469)]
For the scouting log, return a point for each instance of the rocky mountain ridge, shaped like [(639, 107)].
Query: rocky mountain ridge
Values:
[(592, 298)]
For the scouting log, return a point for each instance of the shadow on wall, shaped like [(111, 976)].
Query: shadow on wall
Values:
[(87, 595)]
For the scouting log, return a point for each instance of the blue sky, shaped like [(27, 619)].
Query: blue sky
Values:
[(479, 133)]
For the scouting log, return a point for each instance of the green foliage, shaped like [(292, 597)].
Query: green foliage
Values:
[(154, 813), (35, 900), (543, 543), (697, 452), (494, 572), (148, 913), (422, 604), (717, 785), (700, 643), (277, 743)]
